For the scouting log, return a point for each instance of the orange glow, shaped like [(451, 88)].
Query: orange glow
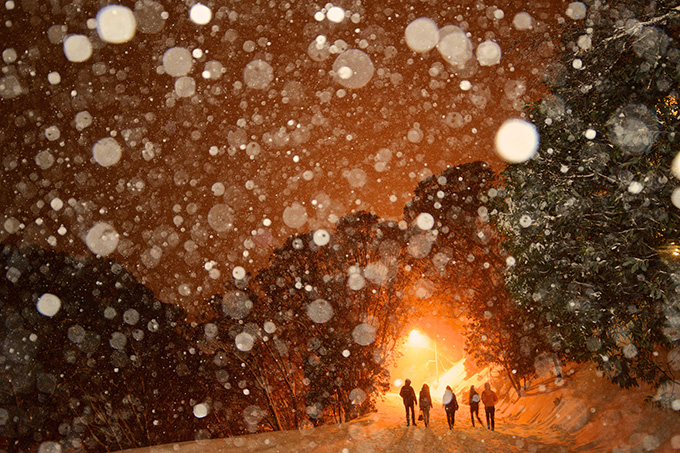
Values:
[(431, 352), (418, 339)]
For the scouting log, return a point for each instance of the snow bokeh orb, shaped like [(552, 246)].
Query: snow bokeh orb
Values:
[(54, 78), (244, 341), (576, 10), (523, 21), (116, 24), (295, 216), (633, 128), (423, 288), (364, 334), (319, 49), (52, 133), (630, 351), (258, 74), (675, 197), (177, 61), (335, 14), (635, 187), (77, 48), (425, 221), (377, 272), (356, 281), (516, 141), (422, 35), (675, 166), (448, 396), (76, 334), (200, 410), (102, 239), (185, 87), (118, 341), (488, 53), (320, 311), (131, 316), (107, 152), (525, 221), (356, 177), (10, 87), (419, 246), (651, 43), (221, 218), (593, 344), (150, 16), (667, 395), (353, 69), (239, 273), (200, 14), (83, 120), (210, 330), (357, 396), (455, 47), (253, 414), (48, 305), (236, 304), (321, 237)]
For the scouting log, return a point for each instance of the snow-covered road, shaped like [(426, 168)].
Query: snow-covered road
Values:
[(583, 413), (386, 431)]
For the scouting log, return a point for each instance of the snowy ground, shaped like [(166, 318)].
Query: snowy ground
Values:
[(582, 413)]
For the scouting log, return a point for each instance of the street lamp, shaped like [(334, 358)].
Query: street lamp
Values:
[(415, 338), (436, 360)]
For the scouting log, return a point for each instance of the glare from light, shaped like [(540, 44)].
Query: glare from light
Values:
[(418, 339)]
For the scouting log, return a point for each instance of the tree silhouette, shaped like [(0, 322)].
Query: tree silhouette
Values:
[(106, 367), (336, 302), (467, 266)]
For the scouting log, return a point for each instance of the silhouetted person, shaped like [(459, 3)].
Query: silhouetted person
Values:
[(409, 396), (450, 406), (425, 401), (474, 406), (489, 399)]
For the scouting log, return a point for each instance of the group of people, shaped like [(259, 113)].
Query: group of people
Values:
[(424, 401)]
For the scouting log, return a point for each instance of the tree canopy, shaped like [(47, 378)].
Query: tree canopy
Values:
[(591, 222)]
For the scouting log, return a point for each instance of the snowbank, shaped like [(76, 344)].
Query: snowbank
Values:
[(582, 412), (599, 415)]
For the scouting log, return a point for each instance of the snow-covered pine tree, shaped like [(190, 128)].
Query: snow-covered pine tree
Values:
[(592, 220)]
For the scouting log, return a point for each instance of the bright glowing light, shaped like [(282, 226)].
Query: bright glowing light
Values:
[(455, 377), (419, 339)]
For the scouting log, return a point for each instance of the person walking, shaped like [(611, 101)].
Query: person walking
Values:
[(425, 401), (489, 399), (450, 406), (474, 406), (408, 395)]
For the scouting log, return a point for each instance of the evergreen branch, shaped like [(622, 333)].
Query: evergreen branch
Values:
[(675, 12)]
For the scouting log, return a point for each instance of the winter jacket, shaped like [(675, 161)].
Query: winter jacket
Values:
[(452, 405), (408, 395), (425, 400), (474, 398), (489, 398)]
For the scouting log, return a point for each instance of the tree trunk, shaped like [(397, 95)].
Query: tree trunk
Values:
[(515, 384)]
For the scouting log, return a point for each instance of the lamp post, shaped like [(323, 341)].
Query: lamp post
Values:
[(436, 361)]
